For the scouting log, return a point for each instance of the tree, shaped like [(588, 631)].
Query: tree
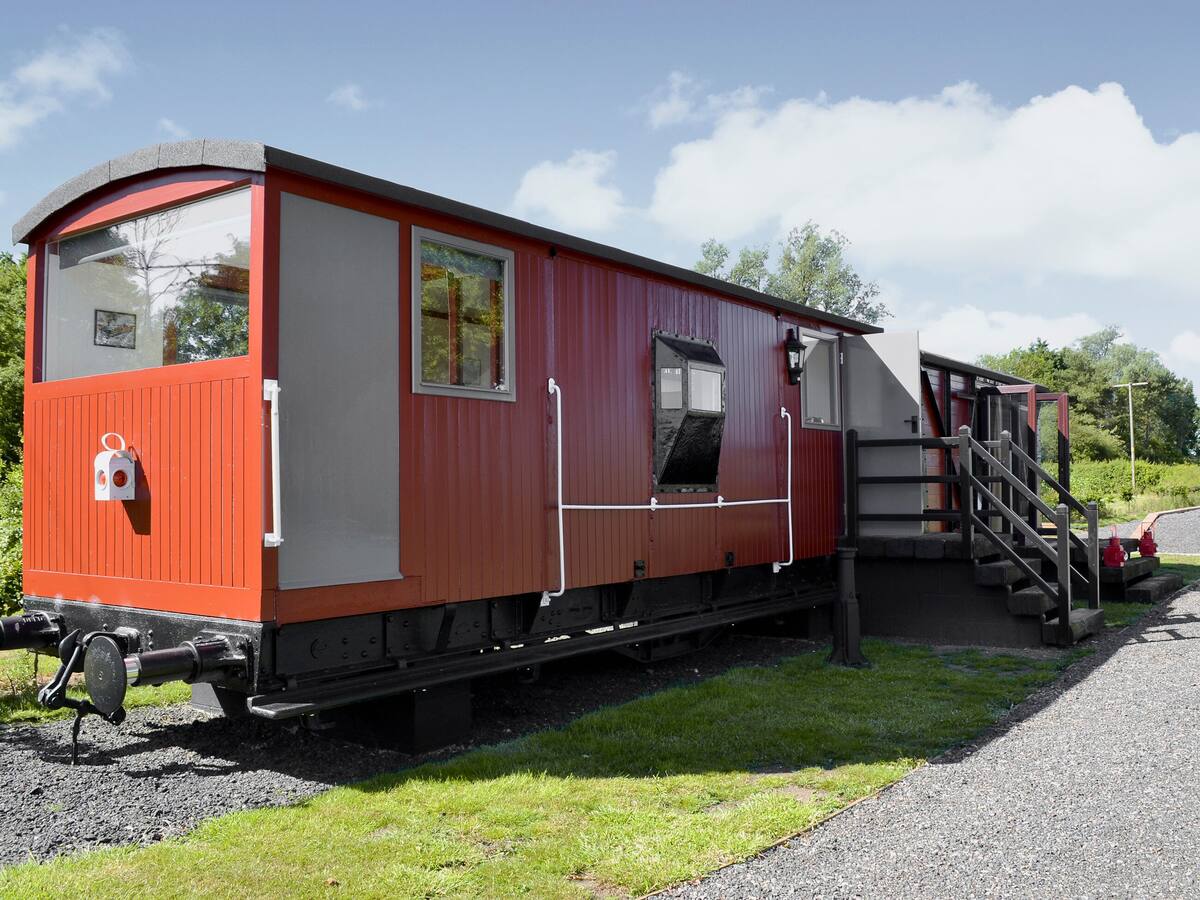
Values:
[(12, 355), (1166, 414), (812, 271)]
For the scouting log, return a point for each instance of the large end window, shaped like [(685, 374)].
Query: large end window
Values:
[(462, 317), (689, 415), (818, 381), (166, 288)]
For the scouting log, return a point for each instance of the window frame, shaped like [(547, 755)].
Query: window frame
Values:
[(835, 377), (508, 258)]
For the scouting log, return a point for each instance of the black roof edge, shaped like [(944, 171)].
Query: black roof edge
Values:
[(945, 362), (256, 157), (324, 171)]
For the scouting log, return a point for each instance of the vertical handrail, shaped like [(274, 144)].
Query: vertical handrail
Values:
[(553, 390), (852, 485), (966, 491), (274, 537), (1062, 525), (776, 567), (1093, 539)]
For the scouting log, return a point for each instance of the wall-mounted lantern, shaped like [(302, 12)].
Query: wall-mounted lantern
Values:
[(795, 356)]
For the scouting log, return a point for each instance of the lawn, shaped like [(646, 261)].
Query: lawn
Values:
[(18, 691), (622, 801)]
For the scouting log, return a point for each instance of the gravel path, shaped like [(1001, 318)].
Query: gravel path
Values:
[(1178, 532), (165, 770), (1089, 789)]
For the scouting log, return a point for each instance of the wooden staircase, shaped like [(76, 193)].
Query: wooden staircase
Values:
[(996, 578)]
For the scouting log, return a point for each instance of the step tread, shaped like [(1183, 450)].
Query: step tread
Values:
[(998, 573), (1135, 569), (1030, 601), (1154, 588), (1084, 622)]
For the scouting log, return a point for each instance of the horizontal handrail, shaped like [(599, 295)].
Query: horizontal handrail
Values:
[(929, 443)]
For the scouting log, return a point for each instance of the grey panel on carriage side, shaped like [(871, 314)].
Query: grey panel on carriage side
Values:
[(339, 378), (247, 155)]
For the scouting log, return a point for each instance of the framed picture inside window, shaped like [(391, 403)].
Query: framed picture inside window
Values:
[(115, 329)]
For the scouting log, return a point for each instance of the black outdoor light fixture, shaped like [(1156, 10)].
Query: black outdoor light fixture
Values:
[(795, 356)]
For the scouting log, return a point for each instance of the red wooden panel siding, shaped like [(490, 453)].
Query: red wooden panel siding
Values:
[(185, 526)]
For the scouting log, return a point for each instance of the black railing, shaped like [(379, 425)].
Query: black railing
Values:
[(993, 513)]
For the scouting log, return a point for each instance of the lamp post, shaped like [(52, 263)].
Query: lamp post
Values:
[(1129, 386)]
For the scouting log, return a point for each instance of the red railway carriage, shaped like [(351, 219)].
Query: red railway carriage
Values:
[(306, 437)]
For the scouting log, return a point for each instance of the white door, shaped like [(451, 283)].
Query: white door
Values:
[(881, 382)]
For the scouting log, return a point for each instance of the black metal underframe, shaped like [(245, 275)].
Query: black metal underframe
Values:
[(306, 667)]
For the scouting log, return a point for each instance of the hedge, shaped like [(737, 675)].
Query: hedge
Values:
[(1108, 480)]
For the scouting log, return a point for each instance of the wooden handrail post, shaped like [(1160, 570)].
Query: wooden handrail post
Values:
[(852, 486), (1006, 491), (966, 491), (1093, 562), (1062, 525)]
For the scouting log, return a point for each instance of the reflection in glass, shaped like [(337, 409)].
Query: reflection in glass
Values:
[(462, 318), (818, 383), (670, 382), (179, 278), (704, 389)]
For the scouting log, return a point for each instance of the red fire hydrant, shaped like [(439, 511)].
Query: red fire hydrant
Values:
[(1114, 554), (1146, 545)]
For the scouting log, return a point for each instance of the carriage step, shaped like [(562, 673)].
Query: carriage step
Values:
[(1134, 569), (1083, 623), (1154, 588), (1030, 601), (998, 573)]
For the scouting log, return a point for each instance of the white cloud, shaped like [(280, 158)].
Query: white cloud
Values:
[(572, 193), (172, 129), (681, 99), (1185, 347), (350, 96), (79, 65), (966, 332), (73, 66), (1069, 184)]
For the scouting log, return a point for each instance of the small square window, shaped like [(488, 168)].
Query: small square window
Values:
[(462, 309), (704, 390), (670, 386)]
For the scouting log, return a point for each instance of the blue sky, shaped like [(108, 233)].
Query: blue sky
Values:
[(1004, 171)]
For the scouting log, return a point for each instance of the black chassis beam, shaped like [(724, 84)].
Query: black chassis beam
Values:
[(161, 630), (313, 698)]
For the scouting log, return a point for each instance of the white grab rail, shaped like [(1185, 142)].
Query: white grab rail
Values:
[(274, 537), (654, 506)]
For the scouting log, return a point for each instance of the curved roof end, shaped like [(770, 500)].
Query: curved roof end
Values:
[(248, 155)]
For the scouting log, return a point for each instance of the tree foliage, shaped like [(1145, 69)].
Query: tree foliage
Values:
[(12, 393), (812, 271), (1166, 416)]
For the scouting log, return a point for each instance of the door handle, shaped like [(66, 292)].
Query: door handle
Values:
[(912, 421), (274, 537)]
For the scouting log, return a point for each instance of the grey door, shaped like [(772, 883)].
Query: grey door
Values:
[(339, 378), (881, 375)]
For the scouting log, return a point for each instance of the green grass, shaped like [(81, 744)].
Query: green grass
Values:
[(625, 800), (1186, 567), (18, 691)]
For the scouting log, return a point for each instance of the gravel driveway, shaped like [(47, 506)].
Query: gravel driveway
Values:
[(1178, 532), (1090, 789)]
